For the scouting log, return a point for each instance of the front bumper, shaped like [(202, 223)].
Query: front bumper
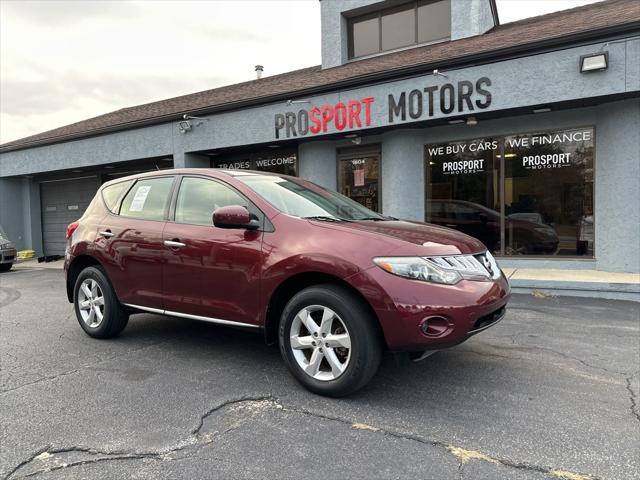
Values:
[(458, 311), (8, 255)]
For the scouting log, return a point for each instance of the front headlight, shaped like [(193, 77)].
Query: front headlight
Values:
[(417, 268)]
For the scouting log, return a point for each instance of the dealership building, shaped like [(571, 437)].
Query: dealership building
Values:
[(525, 135)]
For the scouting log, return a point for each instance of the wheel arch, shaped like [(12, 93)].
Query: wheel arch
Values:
[(296, 283), (76, 266)]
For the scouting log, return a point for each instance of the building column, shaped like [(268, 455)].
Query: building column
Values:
[(32, 215), (190, 160), (317, 163), (617, 196), (402, 174), (11, 214)]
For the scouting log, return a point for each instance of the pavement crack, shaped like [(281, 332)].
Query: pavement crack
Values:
[(461, 454), (633, 398), (40, 380), (50, 459), (196, 431), (544, 349), (89, 366)]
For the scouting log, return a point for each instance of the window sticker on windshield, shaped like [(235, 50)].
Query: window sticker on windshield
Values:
[(139, 198)]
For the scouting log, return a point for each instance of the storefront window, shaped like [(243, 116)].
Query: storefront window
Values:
[(548, 189), (546, 204), (359, 177), (284, 162), (463, 189)]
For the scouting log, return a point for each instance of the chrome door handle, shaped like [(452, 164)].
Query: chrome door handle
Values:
[(450, 225), (106, 233), (174, 244)]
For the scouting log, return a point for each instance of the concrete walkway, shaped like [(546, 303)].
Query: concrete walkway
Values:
[(541, 281), (580, 283)]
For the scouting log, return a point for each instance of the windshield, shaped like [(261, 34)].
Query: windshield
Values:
[(305, 200)]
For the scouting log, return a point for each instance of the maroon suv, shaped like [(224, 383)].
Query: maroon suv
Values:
[(332, 281)]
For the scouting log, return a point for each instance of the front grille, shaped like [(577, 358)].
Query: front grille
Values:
[(488, 320), (481, 266), (460, 263), (9, 257)]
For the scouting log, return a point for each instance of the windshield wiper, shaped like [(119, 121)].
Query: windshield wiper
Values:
[(324, 218), (375, 219)]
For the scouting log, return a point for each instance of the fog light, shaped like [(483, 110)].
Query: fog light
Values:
[(434, 326)]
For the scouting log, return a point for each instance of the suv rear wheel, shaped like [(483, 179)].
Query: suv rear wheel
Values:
[(329, 340), (98, 310)]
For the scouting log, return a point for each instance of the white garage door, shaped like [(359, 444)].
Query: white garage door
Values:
[(62, 203)]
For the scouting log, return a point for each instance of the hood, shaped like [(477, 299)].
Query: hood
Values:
[(417, 238)]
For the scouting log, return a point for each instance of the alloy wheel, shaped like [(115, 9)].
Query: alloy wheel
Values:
[(320, 342), (91, 303)]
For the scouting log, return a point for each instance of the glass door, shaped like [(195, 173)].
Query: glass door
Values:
[(359, 176)]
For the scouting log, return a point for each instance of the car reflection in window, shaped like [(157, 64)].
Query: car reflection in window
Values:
[(525, 233)]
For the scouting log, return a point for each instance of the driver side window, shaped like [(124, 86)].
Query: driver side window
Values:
[(199, 197)]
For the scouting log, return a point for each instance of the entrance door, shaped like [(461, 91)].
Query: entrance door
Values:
[(359, 176), (63, 202)]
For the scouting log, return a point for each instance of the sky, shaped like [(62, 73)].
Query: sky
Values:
[(62, 61)]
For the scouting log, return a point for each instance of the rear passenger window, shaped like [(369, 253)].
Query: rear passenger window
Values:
[(112, 193), (199, 197), (147, 199)]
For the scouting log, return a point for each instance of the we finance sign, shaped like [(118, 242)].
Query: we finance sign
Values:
[(420, 103)]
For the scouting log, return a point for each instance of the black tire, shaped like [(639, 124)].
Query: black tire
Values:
[(5, 267), (362, 328), (115, 316)]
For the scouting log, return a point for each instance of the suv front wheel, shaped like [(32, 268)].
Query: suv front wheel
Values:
[(98, 310), (329, 340)]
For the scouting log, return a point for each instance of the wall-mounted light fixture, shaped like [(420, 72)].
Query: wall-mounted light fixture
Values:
[(594, 62), (291, 102), (354, 137), (184, 126)]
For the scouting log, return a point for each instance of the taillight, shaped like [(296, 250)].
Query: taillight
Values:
[(71, 228)]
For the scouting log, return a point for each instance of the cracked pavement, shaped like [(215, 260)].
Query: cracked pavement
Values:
[(549, 393)]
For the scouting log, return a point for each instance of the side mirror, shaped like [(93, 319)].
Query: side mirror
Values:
[(235, 216)]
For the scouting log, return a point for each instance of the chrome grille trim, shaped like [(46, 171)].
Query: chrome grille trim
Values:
[(469, 266)]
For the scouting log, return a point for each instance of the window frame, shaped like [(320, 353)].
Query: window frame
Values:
[(501, 194), (116, 206), (386, 11), (266, 225), (167, 202)]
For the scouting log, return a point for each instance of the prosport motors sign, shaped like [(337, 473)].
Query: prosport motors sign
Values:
[(417, 104)]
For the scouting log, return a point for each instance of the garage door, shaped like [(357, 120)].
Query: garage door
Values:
[(62, 203)]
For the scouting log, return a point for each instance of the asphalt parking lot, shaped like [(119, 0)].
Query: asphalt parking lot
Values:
[(551, 392)]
